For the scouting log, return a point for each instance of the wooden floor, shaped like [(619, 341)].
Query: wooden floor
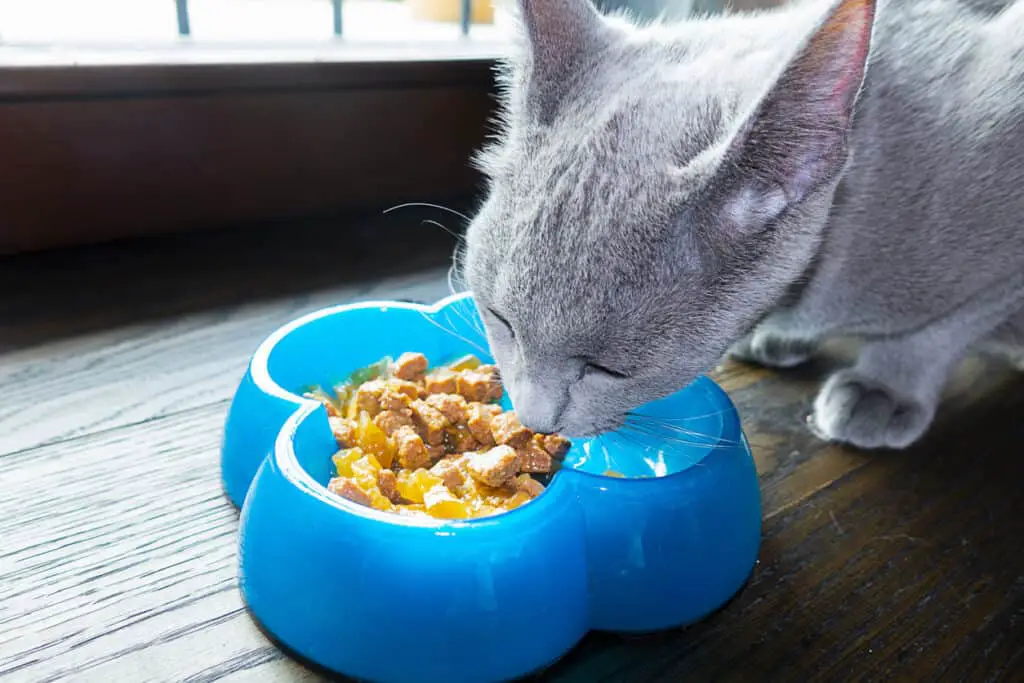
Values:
[(117, 547)]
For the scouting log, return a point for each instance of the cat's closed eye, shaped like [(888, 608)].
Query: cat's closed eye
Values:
[(590, 366), (505, 323)]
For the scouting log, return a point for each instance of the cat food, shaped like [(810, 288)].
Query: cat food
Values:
[(433, 442)]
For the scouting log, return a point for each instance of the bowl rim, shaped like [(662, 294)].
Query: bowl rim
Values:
[(258, 365), (291, 469)]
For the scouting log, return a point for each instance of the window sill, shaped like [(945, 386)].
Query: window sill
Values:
[(186, 53)]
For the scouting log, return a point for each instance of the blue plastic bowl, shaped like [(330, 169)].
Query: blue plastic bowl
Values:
[(381, 597)]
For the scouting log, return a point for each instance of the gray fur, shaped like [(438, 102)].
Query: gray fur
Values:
[(660, 195)]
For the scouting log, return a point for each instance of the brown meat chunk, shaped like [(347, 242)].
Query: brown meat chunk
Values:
[(368, 396), (496, 467), (452, 406), (412, 453), (449, 471), (460, 440), (534, 459), (401, 386), (398, 394), (410, 366), (507, 430), (529, 485), (344, 431), (440, 382), (387, 482), (430, 423), (390, 421), (393, 400), (436, 452), (478, 386), (478, 421), (346, 488), (555, 444)]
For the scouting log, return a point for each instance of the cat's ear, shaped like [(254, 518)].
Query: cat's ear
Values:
[(796, 136), (560, 35)]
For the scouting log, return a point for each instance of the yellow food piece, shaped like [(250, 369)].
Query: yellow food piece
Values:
[(414, 485), (343, 461), (366, 467), (377, 499), (351, 407), (613, 473), (467, 362), (372, 439), (485, 510), (442, 504), (517, 499)]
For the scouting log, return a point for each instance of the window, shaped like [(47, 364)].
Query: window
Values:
[(118, 31)]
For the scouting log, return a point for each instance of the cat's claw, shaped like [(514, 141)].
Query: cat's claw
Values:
[(856, 410), (772, 351)]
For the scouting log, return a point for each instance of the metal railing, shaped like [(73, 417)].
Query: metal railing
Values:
[(185, 28)]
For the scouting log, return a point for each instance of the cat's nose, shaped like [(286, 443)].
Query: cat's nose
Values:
[(537, 409)]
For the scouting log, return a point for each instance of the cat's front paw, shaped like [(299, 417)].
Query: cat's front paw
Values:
[(862, 412), (772, 350)]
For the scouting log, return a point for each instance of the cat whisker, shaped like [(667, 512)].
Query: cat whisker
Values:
[(452, 291), (428, 221), (631, 440), (428, 205), (673, 439), (471, 320), (468, 322), (656, 424), (688, 418), (455, 334), (649, 447), (469, 317), (663, 424)]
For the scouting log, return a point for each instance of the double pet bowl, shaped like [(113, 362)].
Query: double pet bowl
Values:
[(380, 597)]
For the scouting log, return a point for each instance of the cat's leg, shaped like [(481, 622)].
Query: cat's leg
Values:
[(889, 398), (1007, 341), (775, 344), (773, 350)]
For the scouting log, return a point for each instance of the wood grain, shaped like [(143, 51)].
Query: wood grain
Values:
[(117, 548), (102, 372)]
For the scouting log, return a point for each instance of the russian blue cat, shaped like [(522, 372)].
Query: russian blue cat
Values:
[(663, 195)]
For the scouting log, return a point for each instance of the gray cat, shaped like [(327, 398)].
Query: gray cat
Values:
[(660, 196)]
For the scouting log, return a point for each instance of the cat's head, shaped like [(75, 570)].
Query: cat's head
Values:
[(652, 192)]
